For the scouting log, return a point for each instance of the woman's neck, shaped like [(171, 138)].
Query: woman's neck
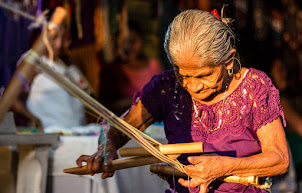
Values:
[(233, 83)]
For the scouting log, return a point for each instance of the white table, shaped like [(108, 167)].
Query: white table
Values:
[(33, 151), (138, 179)]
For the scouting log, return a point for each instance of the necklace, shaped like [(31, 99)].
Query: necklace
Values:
[(199, 117)]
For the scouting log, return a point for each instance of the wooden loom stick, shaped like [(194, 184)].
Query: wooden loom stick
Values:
[(26, 69), (166, 170), (167, 149), (117, 165)]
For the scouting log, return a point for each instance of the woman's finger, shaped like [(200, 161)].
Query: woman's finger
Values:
[(193, 182), (81, 159), (196, 159), (96, 165), (189, 183), (89, 162), (107, 174), (110, 174), (203, 188)]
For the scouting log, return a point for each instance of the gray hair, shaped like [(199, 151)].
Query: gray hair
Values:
[(199, 33)]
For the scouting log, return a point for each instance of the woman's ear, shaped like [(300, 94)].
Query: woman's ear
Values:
[(230, 63)]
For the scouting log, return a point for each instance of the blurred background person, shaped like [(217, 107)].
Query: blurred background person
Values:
[(128, 73), (47, 104)]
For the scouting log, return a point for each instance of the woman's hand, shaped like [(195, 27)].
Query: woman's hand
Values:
[(35, 122), (95, 162), (140, 118), (203, 171)]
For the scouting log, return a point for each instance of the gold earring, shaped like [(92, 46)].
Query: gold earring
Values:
[(239, 63), (230, 72)]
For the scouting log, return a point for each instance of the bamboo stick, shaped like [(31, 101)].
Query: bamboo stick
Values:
[(167, 149), (166, 170), (117, 165)]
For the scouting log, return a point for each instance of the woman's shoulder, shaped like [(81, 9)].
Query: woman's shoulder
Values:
[(166, 76), (265, 96), (258, 77), (160, 93), (259, 83), (167, 73), (254, 82), (163, 83), (255, 73)]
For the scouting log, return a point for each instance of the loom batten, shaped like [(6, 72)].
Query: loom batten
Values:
[(117, 165), (76, 170), (166, 149)]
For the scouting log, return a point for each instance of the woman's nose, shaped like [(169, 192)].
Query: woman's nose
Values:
[(194, 86)]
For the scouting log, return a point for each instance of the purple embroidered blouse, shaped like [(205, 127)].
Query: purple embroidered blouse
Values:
[(254, 103)]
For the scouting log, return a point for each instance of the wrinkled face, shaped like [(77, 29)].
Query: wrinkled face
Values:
[(200, 82)]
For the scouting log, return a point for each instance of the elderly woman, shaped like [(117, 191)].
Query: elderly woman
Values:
[(209, 98)]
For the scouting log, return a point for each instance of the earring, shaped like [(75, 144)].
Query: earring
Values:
[(239, 63), (230, 72)]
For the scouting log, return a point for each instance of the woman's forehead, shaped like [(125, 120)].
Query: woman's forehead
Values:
[(194, 64), (196, 69)]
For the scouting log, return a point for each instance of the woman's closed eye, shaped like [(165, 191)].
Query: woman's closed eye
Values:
[(201, 76)]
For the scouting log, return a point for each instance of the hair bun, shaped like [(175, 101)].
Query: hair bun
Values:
[(227, 21)]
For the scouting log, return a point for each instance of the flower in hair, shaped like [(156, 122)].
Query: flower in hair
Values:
[(214, 12)]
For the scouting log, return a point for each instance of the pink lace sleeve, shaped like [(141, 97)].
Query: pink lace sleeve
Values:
[(266, 105)]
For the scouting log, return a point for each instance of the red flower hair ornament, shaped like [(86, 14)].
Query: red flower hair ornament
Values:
[(214, 12)]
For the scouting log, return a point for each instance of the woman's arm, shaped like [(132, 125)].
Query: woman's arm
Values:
[(139, 117), (273, 160), (19, 107)]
